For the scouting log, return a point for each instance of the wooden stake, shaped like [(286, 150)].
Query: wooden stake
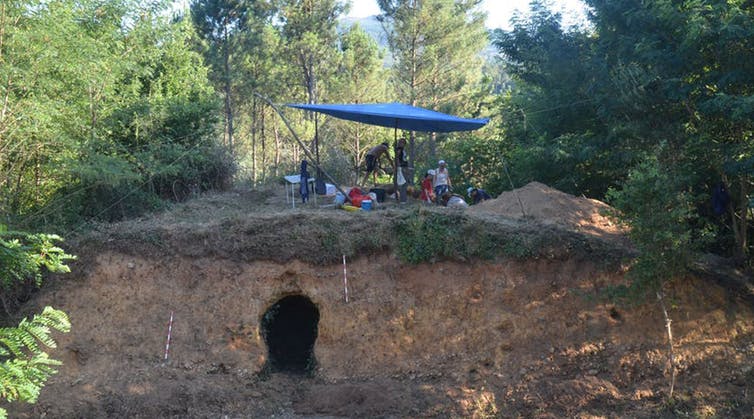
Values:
[(670, 344)]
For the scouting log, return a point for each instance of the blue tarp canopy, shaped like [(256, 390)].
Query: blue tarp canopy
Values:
[(396, 115)]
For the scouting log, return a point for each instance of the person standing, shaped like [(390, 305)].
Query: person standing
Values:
[(304, 182), (401, 168), (442, 179)]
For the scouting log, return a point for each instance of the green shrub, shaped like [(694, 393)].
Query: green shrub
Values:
[(660, 211), (426, 235)]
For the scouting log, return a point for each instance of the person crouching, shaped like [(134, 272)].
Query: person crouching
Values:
[(477, 195)]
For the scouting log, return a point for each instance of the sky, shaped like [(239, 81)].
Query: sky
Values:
[(499, 12)]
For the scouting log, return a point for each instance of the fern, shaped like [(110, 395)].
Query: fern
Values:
[(22, 256), (24, 366)]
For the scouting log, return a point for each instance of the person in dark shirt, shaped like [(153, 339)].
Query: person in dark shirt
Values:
[(477, 195)]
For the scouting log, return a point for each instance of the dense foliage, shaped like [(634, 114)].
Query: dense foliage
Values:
[(111, 109), (654, 100), (106, 110)]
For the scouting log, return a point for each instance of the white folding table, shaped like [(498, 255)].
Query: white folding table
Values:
[(290, 193)]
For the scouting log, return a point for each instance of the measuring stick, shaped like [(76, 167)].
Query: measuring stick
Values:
[(170, 330), (345, 278)]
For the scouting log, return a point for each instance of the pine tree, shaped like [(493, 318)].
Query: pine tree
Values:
[(436, 46)]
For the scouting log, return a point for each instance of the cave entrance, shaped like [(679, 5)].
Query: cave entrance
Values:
[(289, 328)]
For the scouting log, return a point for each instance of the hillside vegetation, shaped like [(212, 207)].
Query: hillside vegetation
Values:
[(138, 134)]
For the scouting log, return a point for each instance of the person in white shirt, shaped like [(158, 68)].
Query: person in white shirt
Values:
[(441, 180)]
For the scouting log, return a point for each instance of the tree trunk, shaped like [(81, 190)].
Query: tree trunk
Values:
[(357, 155), (264, 146), (433, 146), (744, 245), (254, 141), (311, 83), (15, 204), (740, 219), (277, 150), (228, 105)]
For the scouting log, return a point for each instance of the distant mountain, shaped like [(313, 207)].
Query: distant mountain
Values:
[(373, 28), (369, 24)]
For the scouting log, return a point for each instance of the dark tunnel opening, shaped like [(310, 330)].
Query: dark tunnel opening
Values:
[(289, 328)]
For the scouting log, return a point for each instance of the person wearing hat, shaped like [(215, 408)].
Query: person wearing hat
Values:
[(372, 157), (441, 180), (477, 195)]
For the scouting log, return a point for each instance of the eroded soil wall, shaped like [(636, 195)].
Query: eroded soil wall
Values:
[(453, 334)]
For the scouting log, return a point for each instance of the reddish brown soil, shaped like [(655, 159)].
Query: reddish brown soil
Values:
[(550, 206), (508, 337)]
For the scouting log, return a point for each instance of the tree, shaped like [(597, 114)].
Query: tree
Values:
[(551, 116), (309, 29), (436, 46), (44, 99), (262, 70), (360, 78), (683, 73), (655, 202), (106, 108), (657, 206), (217, 22), (673, 78)]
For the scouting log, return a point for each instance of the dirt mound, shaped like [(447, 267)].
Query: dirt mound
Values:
[(543, 204)]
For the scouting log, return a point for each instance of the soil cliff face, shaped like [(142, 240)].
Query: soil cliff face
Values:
[(502, 337), (463, 338)]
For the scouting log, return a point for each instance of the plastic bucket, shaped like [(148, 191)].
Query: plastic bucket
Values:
[(366, 204)]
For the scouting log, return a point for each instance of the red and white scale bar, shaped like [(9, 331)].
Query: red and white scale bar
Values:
[(345, 278), (170, 331)]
